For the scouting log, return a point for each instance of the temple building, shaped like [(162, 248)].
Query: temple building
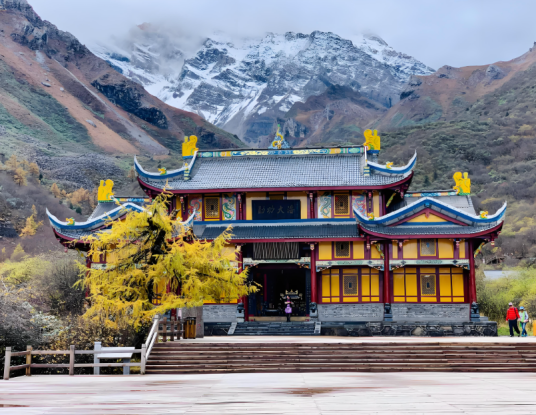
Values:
[(332, 228)]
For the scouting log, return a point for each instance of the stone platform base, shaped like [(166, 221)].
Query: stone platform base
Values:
[(368, 329), (428, 329)]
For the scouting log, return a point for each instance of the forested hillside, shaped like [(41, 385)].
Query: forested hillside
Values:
[(494, 139)]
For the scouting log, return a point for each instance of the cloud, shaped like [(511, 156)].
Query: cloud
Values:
[(455, 32)]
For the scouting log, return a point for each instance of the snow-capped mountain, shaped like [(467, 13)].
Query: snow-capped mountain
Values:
[(245, 86)]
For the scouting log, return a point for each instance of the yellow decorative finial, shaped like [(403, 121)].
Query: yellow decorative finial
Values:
[(389, 165), (189, 147), (162, 171), (105, 193), (463, 183), (70, 221), (370, 216), (483, 214), (372, 140), (278, 142)]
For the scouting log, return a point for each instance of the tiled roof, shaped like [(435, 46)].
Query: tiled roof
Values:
[(437, 205), (249, 172), (427, 230), (103, 208), (292, 230), (464, 203)]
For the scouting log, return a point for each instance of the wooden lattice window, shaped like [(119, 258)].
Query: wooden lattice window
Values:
[(342, 205), (428, 284), (212, 207), (350, 284), (342, 249), (428, 247)]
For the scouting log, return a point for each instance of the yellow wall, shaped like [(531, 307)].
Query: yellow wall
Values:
[(446, 248), (249, 198), (332, 279), (376, 203), (451, 287), (374, 254), (430, 218), (302, 197), (405, 285), (410, 249), (370, 285), (461, 252), (324, 250), (395, 250), (330, 286), (359, 249)]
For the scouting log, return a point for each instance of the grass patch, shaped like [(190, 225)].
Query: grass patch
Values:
[(63, 127)]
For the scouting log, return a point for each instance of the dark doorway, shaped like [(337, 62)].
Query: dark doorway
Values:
[(275, 285)]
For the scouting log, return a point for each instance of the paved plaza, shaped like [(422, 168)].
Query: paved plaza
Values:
[(272, 393), (326, 393)]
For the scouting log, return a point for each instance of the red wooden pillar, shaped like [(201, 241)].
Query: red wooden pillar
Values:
[(472, 282), (311, 205), (240, 210), (184, 210), (386, 273), (314, 294)]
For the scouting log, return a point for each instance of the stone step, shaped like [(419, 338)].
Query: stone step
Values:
[(343, 368), (342, 345)]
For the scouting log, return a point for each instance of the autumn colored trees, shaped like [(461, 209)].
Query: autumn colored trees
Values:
[(154, 264), (20, 169)]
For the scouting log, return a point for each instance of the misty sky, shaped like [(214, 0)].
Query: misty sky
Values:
[(453, 32)]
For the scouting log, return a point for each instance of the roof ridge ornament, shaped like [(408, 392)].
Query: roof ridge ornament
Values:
[(105, 192), (279, 141), (463, 183), (372, 140), (189, 147)]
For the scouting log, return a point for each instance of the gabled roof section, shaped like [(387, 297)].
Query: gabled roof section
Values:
[(98, 221), (272, 169), (168, 175), (95, 221), (382, 169), (432, 204)]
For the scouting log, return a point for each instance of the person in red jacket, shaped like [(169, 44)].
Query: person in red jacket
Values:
[(511, 317)]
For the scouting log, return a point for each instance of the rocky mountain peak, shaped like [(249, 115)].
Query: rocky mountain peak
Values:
[(246, 85)]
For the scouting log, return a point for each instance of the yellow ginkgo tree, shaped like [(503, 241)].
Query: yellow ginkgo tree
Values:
[(154, 264)]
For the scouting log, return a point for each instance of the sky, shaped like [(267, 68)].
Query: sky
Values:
[(437, 32)]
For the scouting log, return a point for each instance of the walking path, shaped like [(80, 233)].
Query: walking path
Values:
[(270, 393), (339, 339)]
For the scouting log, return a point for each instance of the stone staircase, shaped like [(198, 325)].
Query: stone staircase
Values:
[(293, 328), (189, 357)]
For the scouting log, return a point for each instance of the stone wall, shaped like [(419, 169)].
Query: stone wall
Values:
[(487, 328), (350, 312), (219, 313), (438, 313)]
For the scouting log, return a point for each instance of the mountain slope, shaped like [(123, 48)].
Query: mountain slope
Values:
[(81, 121), (450, 92), (246, 86), (58, 73), (492, 137)]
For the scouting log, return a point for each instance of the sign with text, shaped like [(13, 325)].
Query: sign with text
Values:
[(275, 209)]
